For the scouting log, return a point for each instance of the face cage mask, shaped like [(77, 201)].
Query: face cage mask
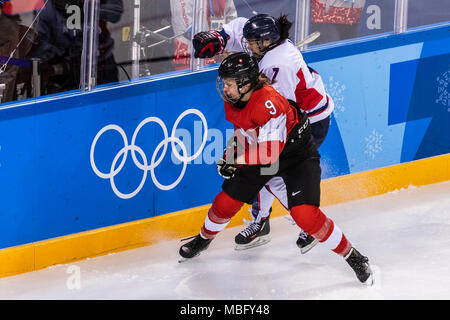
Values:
[(220, 85), (244, 44)]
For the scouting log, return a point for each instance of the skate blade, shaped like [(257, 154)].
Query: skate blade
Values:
[(183, 259), (258, 242), (309, 246), (370, 280)]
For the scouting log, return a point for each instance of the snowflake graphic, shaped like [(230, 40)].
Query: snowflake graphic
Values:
[(443, 89), (335, 89), (373, 144)]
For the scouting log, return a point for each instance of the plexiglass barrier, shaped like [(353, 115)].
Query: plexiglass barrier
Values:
[(422, 13), (54, 46)]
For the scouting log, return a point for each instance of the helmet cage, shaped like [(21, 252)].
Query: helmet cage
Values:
[(243, 69), (240, 83), (259, 42)]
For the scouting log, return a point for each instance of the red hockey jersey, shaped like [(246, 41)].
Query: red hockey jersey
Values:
[(263, 125)]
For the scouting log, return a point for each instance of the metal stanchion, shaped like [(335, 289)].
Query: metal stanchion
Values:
[(401, 16), (36, 78), (136, 47), (2, 88), (199, 23), (90, 45), (302, 17)]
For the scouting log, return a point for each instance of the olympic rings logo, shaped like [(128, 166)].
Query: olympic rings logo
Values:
[(144, 166)]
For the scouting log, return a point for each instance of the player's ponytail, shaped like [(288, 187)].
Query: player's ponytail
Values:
[(263, 80), (285, 26)]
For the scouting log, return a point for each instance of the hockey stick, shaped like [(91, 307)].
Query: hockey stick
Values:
[(310, 38), (253, 11)]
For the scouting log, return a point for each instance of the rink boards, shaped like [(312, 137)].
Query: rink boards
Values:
[(87, 174)]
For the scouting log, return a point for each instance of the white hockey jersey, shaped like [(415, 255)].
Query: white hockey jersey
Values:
[(285, 65)]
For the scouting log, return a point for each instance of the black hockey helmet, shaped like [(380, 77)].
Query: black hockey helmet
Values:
[(262, 27), (241, 67)]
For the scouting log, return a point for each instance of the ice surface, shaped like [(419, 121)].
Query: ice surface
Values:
[(405, 234)]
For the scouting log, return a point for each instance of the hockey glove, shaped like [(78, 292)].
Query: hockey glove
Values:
[(208, 43), (226, 170)]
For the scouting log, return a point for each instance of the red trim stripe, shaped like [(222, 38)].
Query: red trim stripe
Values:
[(207, 234), (344, 246), (214, 218), (306, 98), (318, 111), (330, 230), (324, 232)]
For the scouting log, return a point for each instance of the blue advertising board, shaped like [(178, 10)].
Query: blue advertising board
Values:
[(78, 162)]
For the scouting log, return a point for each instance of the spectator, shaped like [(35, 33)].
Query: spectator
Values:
[(8, 43), (60, 36)]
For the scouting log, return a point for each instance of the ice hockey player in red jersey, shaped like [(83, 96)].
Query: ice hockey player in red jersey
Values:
[(267, 39), (277, 144)]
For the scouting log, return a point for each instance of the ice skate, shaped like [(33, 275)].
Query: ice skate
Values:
[(256, 234), (306, 242), (360, 264), (193, 247)]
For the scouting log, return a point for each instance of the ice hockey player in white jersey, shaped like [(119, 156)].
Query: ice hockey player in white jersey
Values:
[(267, 39)]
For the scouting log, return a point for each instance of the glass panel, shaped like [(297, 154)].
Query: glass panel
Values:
[(109, 14), (216, 13), (427, 12), (208, 15), (248, 8), (188, 17), (219, 13), (41, 52), (338, 20), (153, 37), (274, 8), (143, 38), (31, 57)]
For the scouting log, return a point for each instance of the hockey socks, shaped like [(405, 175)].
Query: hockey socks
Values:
[(219, 215), (314, 222)]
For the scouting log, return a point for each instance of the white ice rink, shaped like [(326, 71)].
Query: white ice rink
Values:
[(405, 234)]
